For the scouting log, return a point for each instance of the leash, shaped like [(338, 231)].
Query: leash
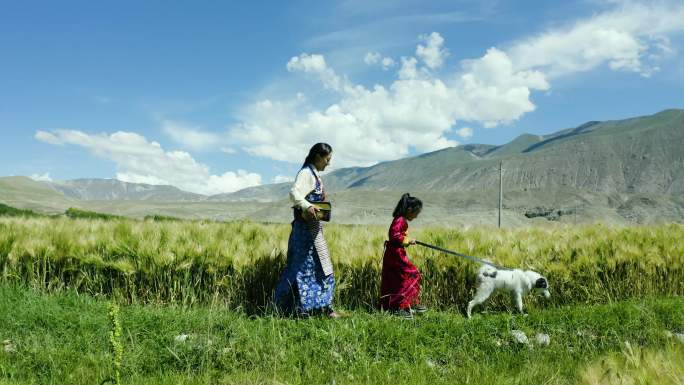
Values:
[(468, 257)]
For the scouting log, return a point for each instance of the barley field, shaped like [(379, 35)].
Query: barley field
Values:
[(187, 262)]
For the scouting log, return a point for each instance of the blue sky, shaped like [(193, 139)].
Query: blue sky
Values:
[(215, 96)]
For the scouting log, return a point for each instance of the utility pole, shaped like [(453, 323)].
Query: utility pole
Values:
[(500, 189)]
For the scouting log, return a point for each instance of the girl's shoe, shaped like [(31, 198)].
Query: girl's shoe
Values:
[(403, 313), (418, 309)]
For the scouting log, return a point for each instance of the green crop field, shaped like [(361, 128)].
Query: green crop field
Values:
[(194, 300), (186, 262)]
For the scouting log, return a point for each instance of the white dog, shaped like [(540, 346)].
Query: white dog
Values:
[(517, 282)]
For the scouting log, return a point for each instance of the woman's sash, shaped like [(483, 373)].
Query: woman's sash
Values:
[(316, 229), (315, 225)]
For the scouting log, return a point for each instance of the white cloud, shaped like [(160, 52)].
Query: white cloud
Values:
[(465, 132), (365, 126), (373, 58), (41, 178), (315, 64), (141, 161), (228, 150), (232, 181), (418, 109), (387, 62), (432, 53), (632, 37), (282, 179), (408, 68), (191, 138), (47, 138), (492, 92)]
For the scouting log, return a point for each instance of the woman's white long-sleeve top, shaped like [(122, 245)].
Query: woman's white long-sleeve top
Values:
[(304, 183)]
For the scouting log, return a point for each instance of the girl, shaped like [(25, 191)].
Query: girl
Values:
[(306, 286), (400, 283)]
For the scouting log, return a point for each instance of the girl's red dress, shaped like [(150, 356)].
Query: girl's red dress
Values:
[(400, 282)]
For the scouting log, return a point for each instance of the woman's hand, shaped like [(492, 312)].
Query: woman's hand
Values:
[(311, 213)]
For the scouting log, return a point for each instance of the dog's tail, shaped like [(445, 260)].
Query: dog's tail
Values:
[(486, 271)]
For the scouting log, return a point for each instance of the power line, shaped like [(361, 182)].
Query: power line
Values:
[(500, 189)]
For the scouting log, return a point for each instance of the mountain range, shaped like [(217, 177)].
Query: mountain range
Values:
[(112, 189), (623, 171)]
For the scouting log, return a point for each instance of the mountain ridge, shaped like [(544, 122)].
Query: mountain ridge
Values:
[(113, 189), (623, 169)]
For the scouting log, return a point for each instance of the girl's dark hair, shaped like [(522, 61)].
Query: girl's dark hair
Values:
[(322, 149), (406, 203)]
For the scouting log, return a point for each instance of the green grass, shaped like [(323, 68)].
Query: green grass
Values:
[(75, 213), (10, 211), (64, 339), (161, 218)]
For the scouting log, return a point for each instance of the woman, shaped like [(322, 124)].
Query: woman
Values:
[(306, 286)]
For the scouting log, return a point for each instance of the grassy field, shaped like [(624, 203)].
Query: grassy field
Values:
[(63, 339), (194, 306)]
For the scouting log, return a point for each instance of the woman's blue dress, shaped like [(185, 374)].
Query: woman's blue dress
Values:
[(303, 287)]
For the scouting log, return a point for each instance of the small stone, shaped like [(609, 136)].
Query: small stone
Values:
[(181, 338), (519, 337), (8, 346), (680, 337), (542, 339), (586, 334)]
